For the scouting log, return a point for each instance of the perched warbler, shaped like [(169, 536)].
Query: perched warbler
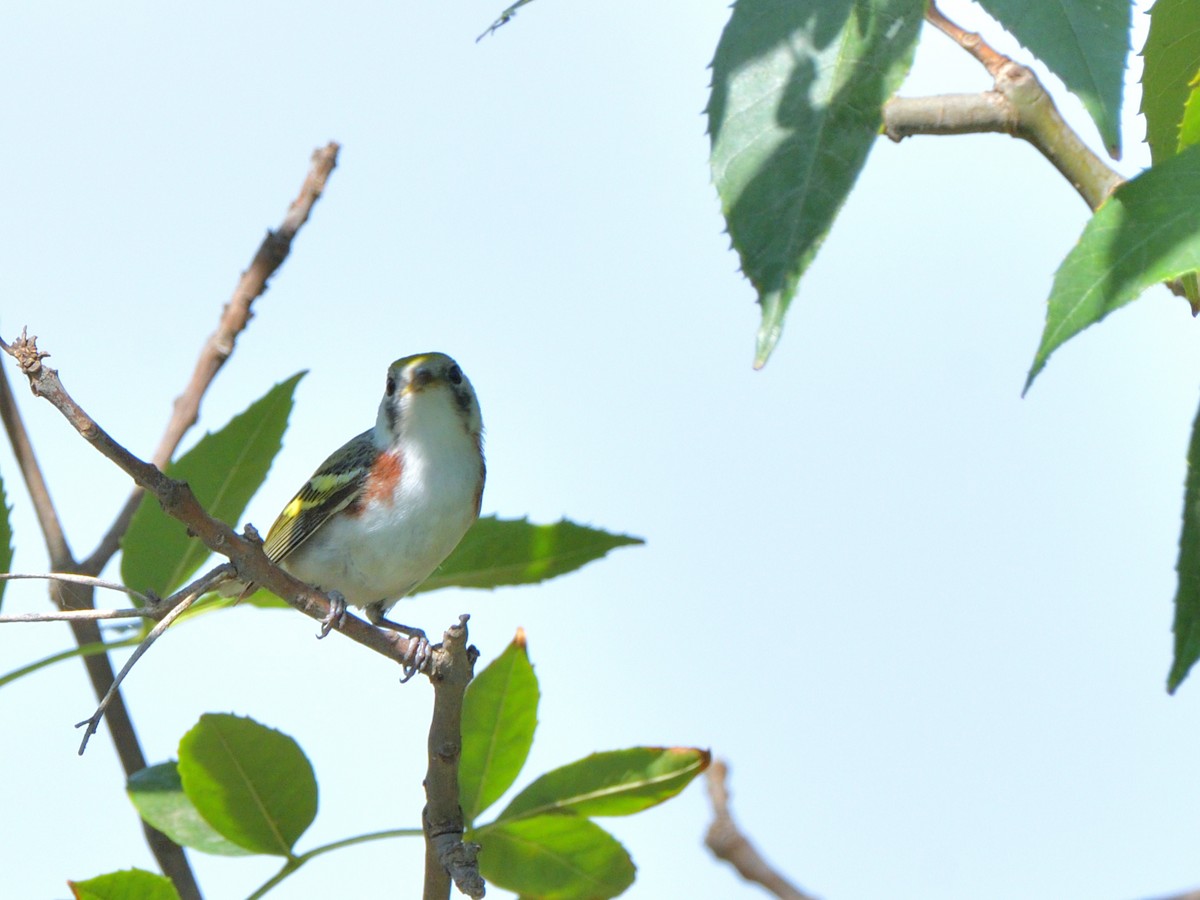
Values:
[(386, 508)]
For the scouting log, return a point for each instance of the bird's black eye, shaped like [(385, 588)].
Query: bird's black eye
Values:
[(391, 386), (455, 375)]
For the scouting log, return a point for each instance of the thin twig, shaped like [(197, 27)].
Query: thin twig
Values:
[(990, 59), (447, 857), (728, 843), (293, 865), (93, 721), (152, 608), (75, 578), (178, 604), (75, 615), (217, 349), (43, 506)]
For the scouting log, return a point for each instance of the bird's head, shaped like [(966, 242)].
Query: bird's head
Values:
[(427, 390)]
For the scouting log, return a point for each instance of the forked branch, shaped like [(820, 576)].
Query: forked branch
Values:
[(447, 857), (178, 501), (1018, 105)]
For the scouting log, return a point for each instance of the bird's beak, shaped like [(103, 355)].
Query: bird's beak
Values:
[(420, 377)]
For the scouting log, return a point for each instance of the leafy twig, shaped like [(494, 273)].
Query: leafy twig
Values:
[(505, 17)]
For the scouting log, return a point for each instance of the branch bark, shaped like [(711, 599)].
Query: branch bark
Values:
[(447, 857), (727, 842)]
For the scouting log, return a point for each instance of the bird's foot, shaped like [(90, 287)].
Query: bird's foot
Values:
[(419, 652), (337, 611)]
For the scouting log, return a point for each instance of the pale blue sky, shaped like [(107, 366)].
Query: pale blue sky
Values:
[(926, 621)]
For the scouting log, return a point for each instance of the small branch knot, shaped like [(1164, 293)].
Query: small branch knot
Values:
[(24, 350), (459, 859)]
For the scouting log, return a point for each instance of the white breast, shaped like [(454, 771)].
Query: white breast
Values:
[(394, 543)]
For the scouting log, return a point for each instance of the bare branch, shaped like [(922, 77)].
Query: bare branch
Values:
[(982, 113), (76, 615), (447, 857), (217, 349), (970, 41), (727, 842), (178, 501), (1018, 105), (74, 578), (93, 721)]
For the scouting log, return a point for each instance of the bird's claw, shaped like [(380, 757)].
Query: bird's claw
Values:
[(337, 611), (418, 656)]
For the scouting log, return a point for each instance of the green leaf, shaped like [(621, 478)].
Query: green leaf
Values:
[(616, 783), (1083, 42), (6, 547), (554, 858), (1189, 125), (130, 884), (1187, 594), (1146, 233), (157, 794), (498, 720), (1172, 57), (224, 470), (798, 89), (498, 552), (252, 784)]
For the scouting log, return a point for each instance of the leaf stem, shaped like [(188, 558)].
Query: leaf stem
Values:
[(85, 650), (295, 862)]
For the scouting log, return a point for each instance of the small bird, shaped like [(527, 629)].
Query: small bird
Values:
[(385, 509)]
